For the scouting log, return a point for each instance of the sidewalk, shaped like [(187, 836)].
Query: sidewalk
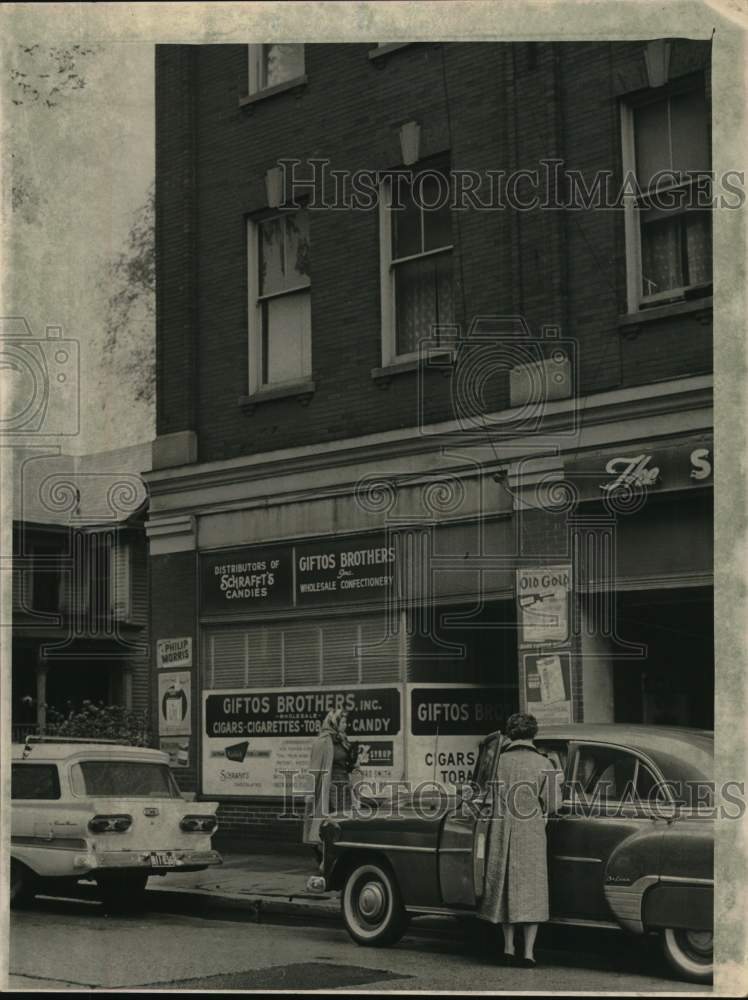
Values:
[(263, 883)]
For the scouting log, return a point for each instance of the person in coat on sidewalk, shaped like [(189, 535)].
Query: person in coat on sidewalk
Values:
[(333, 757), (526, 790)]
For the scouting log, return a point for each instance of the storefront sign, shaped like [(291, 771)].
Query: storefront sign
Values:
[(174, 652), (349, 569), (542, 599), (352, 569), (548, 687), (445, 726), (178, 749), (174, 717), (248, 579), (253, 737), (649, 469)]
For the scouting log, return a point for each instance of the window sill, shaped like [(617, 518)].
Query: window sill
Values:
[(442, 359), (279, 88), (303, 391), (631, 322), (384, 50)]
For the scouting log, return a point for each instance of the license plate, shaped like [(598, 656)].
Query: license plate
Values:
[(163, 859)]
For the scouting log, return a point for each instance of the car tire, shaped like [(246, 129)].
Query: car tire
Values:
[(689, 953), (373, 911), (22, 884), (123, 893)]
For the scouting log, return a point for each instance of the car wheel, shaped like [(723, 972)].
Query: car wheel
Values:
[(373, 911), (123, 893), (22, 884), (690, 953)]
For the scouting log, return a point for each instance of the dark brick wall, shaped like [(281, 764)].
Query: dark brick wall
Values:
[(492, 107)]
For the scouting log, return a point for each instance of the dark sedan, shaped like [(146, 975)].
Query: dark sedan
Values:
[(630, 847)]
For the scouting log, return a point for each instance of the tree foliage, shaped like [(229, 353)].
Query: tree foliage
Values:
[(100, 721), (130, 333)]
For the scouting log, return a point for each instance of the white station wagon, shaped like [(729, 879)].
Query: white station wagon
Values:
[(98, 810)]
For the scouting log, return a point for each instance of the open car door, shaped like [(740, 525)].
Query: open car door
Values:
[(462, 844)]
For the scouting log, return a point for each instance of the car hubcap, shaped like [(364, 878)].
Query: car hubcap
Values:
[(700, 943), (371, 901)]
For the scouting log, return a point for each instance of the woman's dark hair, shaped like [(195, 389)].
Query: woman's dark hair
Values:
[(521, 726)]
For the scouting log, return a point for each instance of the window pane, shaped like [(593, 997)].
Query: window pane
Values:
[(699, 247), (282, 63), (406, 221), (437, 221), (661, 255), (272, 262), (297, 248), (652, 142), (34, 781), (286, 321), (445, 311), (605, 775), (122, 778), (689, 132), (415, 303)]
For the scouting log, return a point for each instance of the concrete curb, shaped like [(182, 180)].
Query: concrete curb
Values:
[(255, 904)]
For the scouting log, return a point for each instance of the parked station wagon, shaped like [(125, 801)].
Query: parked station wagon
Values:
[(102, 812), (631, 846)]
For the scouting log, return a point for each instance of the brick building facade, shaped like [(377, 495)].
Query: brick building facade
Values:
[(378, 425)]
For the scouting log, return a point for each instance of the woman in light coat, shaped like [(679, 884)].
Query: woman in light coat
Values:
[(528, 787), (331, 761)]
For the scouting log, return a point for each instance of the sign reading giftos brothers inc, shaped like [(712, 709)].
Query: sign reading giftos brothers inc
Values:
[(258, 742), (351, 569)]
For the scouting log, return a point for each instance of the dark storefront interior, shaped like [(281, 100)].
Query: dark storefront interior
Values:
[(674, 683)]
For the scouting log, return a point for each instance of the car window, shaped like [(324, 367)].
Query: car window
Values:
[(136, 779), (609, 774), (34, 781)]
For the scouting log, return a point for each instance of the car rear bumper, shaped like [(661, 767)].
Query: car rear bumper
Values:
[(178, 860)]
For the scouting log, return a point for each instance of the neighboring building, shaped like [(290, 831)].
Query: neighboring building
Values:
[(379, 427), (80, 583)]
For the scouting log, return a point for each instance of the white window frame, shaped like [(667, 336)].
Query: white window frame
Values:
[(254, 306), (636, 299), (388, 265), (120, 566), (256, 66)]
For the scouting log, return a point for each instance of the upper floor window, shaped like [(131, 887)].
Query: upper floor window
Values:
[(280, 307), (668, 223), (416, 260), (273, 65)]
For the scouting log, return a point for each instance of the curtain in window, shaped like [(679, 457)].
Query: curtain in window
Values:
[(424, 299)]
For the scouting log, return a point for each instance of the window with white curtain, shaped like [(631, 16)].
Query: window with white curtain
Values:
[(417, 296), (666, 148), (280, 310), (274, 64)]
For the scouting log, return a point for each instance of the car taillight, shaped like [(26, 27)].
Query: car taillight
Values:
[(110, 824), (199, 824)]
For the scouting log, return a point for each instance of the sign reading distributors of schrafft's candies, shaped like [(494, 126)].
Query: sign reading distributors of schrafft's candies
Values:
[(543, 604), (258, 742)]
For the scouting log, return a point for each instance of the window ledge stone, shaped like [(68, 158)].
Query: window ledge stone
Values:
[(443, 359), (631, 323), (303, 391), (280, 88)]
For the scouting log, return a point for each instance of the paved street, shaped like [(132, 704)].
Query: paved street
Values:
[(73, 944)]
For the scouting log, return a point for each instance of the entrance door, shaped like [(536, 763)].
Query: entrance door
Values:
[(606, 805)]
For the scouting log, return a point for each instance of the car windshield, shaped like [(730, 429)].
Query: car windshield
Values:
[(128, 779)]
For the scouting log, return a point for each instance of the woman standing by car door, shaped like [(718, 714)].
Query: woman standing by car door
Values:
[(527, 788), (331, 761)]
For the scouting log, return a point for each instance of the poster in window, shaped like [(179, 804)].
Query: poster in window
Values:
[(542, 604), (548, 687), (174, 716)]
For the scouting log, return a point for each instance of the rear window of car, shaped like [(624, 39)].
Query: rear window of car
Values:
[(34, 781), (125, 779)]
